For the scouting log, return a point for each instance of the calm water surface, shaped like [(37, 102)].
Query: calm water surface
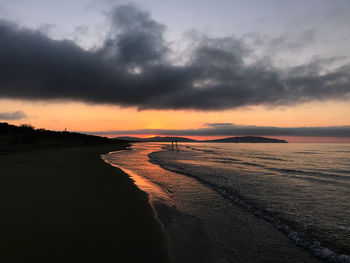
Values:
[(303, 190)]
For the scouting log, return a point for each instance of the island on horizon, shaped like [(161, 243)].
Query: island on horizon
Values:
[(236, 139)]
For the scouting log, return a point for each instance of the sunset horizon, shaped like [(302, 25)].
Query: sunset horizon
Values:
[(175, 131), (152, 73)]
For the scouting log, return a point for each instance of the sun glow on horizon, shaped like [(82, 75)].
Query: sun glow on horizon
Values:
[(97, 119), (149, 136)]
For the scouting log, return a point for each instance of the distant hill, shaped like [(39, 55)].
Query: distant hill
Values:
[(156, 139), (248, 139), (28, 136), (243, 139), (129, 138)]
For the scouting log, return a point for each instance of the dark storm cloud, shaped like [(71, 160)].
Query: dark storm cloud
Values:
[(134, 38), (229, 129), (132, 67), (16, 115)]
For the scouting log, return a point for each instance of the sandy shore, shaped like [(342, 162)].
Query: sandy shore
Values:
[(68, 205)]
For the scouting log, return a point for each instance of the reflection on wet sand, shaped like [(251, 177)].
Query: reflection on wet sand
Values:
[(201, 224), (155, 193)]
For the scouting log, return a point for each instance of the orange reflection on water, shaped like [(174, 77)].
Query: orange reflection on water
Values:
[(154, 192)]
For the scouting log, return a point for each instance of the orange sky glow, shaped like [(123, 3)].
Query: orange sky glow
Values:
[(76, 116), (238, 66)]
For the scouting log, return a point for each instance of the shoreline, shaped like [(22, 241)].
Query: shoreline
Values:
[(135, 180), (189, 224), (67, 204), (187, 241)]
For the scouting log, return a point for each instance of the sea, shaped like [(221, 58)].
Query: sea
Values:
[(246, 202)]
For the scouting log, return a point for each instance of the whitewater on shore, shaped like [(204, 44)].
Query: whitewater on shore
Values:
[(247, 202)]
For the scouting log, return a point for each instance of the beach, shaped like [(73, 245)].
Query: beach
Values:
[(68, 205)]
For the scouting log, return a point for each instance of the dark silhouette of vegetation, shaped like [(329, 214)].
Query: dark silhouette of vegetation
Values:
[(26, 135)]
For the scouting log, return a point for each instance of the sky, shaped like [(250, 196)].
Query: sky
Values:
[(186, 68)]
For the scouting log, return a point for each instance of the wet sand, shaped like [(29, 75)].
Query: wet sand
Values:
[(68, 205)]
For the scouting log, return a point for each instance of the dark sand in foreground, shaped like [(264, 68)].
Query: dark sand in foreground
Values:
[(68, 205)]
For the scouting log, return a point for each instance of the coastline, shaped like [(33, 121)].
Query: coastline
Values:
[(195, 231), (186, 237), (67, 204)]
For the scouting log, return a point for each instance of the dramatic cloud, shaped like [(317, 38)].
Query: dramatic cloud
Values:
[(230, 129), (133, 68), (16, 115)]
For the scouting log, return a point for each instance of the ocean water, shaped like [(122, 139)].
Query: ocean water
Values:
[(247, 202)]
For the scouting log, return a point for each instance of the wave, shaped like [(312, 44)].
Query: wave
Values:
[(310, 173), (201, 150), (269, 158), (291, 229), (232, 160), (308, 152), (303, 175)]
